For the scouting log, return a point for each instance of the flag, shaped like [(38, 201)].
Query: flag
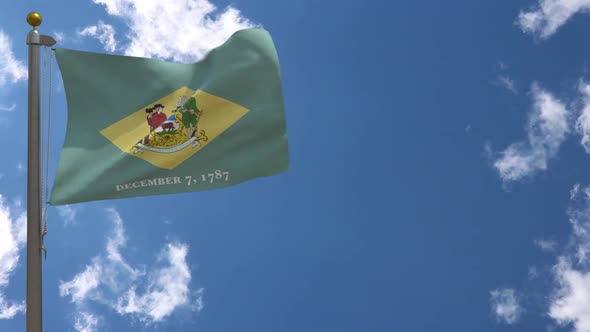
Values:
[(139, 127)]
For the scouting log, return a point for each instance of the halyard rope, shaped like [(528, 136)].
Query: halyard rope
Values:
[(45, 147)]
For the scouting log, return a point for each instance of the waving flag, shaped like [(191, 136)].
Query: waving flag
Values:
[(140, 127)]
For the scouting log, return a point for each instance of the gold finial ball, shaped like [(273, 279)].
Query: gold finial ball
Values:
[(34, 19)]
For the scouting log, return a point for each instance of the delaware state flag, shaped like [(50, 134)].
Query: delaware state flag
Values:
[(140, 127)]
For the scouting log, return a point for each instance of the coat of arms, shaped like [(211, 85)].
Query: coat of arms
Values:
[(172, 133), (173, 128)]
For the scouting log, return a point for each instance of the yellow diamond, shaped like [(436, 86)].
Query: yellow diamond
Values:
[(217, 115)]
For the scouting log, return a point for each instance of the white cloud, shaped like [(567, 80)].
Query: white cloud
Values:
[(583, 122), (105, 33), (569, 299), (580, 221), (505, 305), (570, 302), (166, 290), (11, 69), (548, 15), (59, 37), (574, 191), (507, 83), (108, 270), (547, 129), (68, 213), (10, 108), (20, 166), (10, 309), (180, 30), (113, 282), (12, 239), (546, 245), (86, 322), (83, 283)]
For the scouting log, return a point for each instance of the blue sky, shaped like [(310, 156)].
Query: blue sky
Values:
[(438, 175)]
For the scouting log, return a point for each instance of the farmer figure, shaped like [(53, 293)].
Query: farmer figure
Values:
[(156, 119), (148, 111)]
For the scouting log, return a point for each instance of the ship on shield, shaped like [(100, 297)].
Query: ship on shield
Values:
[(168, 134)]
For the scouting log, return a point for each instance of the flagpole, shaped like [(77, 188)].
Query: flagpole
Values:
[(34, 291)]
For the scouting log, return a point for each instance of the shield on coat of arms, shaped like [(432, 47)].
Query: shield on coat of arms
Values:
[(169, 137)]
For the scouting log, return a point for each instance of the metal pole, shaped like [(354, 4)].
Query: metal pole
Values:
[(34, 290)]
